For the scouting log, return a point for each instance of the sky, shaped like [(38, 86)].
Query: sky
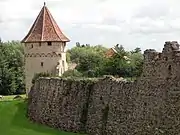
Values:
[(131, 23)]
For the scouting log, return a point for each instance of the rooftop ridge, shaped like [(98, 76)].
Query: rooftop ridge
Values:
[(52, 21), (43, 21)]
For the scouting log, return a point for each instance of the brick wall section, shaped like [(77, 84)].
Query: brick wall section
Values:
[(109, 106)]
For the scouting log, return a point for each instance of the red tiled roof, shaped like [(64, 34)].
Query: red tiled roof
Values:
[(45, 28)]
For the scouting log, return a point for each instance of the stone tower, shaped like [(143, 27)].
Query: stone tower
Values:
[(44, 47)]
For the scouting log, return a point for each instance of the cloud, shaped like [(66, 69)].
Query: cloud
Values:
[(143, 23), (153, 9)]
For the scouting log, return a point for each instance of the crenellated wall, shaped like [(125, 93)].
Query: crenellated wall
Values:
[(110, 106), (162, 64)]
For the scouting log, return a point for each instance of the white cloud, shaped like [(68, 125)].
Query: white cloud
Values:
[(143, 23)]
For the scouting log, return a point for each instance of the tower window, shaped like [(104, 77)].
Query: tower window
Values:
[(42, 64), (39, 43), (49, 43), (31, 45)]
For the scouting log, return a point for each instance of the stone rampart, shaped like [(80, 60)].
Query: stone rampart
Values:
[(110, 106)]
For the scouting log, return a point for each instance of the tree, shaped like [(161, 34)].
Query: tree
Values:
[(78, 44), (91, 61), (11, 68), (76, 53), (136, 50), (7, 78), (88, 59), (1, 42), (136, 63)]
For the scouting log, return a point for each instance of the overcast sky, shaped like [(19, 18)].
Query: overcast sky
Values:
[(132, 23)]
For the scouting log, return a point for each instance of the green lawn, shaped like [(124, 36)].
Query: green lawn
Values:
[(13, 120)]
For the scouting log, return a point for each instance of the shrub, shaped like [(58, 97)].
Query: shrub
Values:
[(38, 75), (72, 73)]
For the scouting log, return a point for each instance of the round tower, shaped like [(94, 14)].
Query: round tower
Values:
[(44, 47)]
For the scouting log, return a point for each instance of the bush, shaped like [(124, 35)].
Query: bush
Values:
[(38, 75), (72, 73)]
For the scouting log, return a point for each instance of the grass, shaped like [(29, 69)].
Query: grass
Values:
[(13, 120)]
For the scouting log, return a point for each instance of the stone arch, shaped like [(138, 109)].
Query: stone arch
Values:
[(27, 55), (54, 54), (49, 55), (43, 55), (33, 55), (38, 55)]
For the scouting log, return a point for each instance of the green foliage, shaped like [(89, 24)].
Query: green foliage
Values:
[(136, 50), (77, 53), (91, 61), (11, 68), (136, 64), (89, 58), (38, 75), (14, 121), (72, 73)]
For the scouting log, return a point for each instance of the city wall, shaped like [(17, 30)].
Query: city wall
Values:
[(111, 106)]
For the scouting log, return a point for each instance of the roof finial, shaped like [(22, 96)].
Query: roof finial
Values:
[(44, 3)]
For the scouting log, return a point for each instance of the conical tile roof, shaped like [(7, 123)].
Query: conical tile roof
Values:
[(45, 28)]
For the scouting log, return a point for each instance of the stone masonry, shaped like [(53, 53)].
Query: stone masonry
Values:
[(110, 106)]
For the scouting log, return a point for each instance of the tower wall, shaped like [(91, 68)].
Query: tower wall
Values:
[(41, 57), (43, 47)]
